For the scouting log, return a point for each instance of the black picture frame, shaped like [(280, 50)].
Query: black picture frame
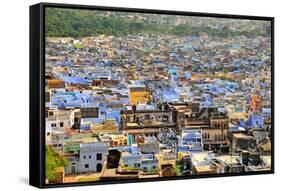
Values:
[(37, 92)]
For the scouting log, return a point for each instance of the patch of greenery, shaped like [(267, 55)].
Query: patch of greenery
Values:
[(83, 23), (54, 160), (178, 170)]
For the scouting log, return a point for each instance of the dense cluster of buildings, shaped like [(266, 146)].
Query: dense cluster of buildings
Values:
[(146, 106)]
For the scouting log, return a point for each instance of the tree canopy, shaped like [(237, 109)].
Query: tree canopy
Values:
[(84, 23), (53, 161)]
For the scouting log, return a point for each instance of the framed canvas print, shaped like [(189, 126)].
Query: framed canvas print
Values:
[(127, 95)]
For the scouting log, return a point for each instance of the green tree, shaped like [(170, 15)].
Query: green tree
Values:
[(53, 161), (81, 23)]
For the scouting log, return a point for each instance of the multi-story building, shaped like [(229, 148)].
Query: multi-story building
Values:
[(91, 158), (139, 94), (60, 118), (255, 103), (213, 124), (146, 122), (190, 140)]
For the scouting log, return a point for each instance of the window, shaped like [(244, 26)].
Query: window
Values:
[(48, 134), (86, 165), (51, 113), (90, 156), (84, 157), (61, 124), (99, 167), (147, 116), (99, 156), (53, 125)]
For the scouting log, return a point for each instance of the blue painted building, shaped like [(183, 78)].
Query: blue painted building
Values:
[(256, 121), (190, 140)]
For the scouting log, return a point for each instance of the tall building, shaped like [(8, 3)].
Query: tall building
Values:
[(255, 103)]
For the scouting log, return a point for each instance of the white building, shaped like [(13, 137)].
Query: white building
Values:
[(55, 138), (60, 119), (146, 162), (92, 157)]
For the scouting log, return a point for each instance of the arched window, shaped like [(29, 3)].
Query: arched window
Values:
[(99, 167)]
